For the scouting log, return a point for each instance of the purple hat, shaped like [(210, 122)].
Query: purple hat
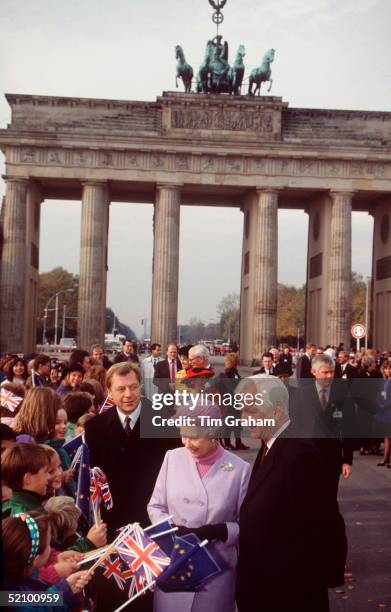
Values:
[(204, 420)]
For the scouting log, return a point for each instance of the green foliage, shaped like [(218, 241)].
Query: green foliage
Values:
[(359, 290), (51, 283), (229, 311), (290, 310), (57, 280)]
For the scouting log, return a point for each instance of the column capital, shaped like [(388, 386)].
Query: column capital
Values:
[(15, 179), (173, 186), (268, 190), (346, 193), (94, 183)]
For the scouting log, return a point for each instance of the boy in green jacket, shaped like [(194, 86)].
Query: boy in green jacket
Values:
[(25, 469)]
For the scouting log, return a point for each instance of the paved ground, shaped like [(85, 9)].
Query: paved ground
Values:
[(365, 502)]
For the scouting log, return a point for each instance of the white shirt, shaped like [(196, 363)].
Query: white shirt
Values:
[(133, 416), (270, 442)]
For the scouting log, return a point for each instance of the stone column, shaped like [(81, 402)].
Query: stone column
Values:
[(380, 294), (13, 267), (340, 269), (165, 264), (265, 272), (92, 280)]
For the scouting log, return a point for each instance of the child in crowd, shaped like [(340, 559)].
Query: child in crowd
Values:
[(97, 372), (55, 471), (16, 371), (8, 437), (36, 419), (8, 440), (76, 405), (25, 469), (57, 442), (81, 422), (95, 388), (72, 380), (65, 517), (26, 548), (95, 538)]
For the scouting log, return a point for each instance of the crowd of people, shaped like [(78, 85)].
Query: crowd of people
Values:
[(282, 517)]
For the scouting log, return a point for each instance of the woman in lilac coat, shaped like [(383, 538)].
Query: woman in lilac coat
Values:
[(202, 486)]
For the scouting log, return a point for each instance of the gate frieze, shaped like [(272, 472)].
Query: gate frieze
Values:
[(148, 161)]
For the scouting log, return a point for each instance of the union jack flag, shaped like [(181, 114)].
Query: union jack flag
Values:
[(107, 404), (114, 568), (10, 400), (137, 584), (144, 557), (99, 489)]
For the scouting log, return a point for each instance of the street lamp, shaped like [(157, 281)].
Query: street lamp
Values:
[(367, 311), (46, 310)]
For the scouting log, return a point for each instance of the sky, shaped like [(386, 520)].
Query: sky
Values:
[(329, 54)]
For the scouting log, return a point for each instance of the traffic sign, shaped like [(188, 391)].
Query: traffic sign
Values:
[(358, 331)]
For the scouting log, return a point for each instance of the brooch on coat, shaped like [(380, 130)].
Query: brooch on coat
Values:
[(227, 466)]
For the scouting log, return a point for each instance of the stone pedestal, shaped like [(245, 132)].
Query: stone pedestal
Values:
[(165, 264), (93, 264), (265, 272), (340, 269), (13, 267)]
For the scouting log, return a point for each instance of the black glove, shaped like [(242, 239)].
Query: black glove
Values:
[(206, 532)]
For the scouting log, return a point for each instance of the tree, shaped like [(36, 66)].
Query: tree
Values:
[(121, 328), (51, 283), (359, 290), (290, 311), (229, 312), (57, 280)]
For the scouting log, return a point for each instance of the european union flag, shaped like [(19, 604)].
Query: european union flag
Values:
[(191, 565), (83, 484), (166, 541), (72, 446)]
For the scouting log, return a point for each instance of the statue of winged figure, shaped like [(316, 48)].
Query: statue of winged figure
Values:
[(217, 5)]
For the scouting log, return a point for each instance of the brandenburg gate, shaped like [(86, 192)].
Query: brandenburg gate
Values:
[(254, 153)]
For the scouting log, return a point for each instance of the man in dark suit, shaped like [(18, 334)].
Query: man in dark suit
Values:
[(98, 357), (286, 356), (267, 366), (166, 370), (292, 543), (343, 369), (303, 366), (130, 463), (324, 411), (127, 353)]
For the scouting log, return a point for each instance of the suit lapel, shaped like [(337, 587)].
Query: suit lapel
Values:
[(262, 470), (114, 424)]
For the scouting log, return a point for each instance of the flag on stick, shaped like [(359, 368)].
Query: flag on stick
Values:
[(83, 484), (9, 400), (191, 565), (144, 557), (107, 404)]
